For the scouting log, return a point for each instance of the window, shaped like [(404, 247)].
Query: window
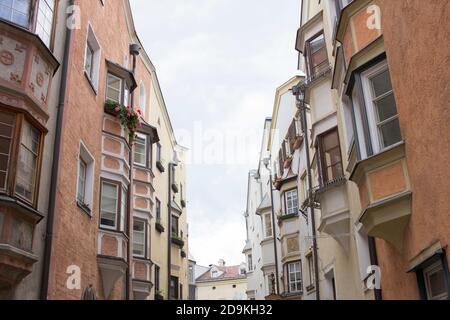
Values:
[(174, 288), (316, 55), (311, 273), (139, 238), (330, 157), (158, 209), (142, 98), (157, 270), (294, 277), (123, 210), (28, 160), (114, 88), (19, 178), (7, 127), (109, 205), (267, 225), (174, 226), (386, 116), (89, 60), (44, 21), (16, 11), (92, 59), (250, 262), (291, 202), (270, 284), (85, 180), (375, 110), (82, 168), (436, 282), (140, 150)]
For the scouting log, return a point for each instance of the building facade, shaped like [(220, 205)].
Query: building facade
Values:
[(221, 282), (366, 186), (101, 198)]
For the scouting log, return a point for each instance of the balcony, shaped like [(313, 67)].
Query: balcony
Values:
[(385, 194), (27, 68), (17, 224)]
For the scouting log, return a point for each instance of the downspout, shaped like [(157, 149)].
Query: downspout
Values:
[(55, 164), (134, 51), (169, 231), (301, 105), (274, 235)]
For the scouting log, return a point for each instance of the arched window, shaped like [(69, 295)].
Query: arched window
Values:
[(143, 98)]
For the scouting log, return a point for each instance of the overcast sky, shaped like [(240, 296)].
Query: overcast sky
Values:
[(219, 63)]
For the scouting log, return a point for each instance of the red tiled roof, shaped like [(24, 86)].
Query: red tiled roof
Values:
[(228, 273)]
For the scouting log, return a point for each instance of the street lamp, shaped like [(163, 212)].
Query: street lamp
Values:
[(266, 162)]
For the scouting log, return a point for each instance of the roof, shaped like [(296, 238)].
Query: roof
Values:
[(225, 273)]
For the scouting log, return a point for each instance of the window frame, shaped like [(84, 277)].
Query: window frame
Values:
[(298, 282), (118, 225), (81, 163), (13, 157), (174, 290), (435, 267), (121, 88), (146, 144), (311, 270), (323, 172), (176, 219), (157, 277), (285, 196), (371, 108), (145, 238), (267, 218), (158, 209), (308, 55)]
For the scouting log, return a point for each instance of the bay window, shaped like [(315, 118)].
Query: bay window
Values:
[(291, 202), (34, 15), (139, 238), (16, 11), (294, 278), (330, 157), (20, 177)]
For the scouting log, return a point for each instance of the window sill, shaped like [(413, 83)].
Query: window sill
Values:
[(85, 208), (91, 85)]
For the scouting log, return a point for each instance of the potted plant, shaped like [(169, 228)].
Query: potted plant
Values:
[(159, 295), (177, 240), (159, 226), (129, 118)]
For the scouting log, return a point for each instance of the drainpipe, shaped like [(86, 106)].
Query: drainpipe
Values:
[(275, 250), (134, 51), (55, 164), (298, 91), (169, 230)]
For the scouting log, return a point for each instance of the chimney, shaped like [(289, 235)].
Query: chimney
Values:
[(221, 263)]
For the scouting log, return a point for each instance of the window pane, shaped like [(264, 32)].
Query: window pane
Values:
[(332, 156), (16, 11), (45, 20), (437, 283), (330, 140), (7, 121), (26, 168), (114, 87), (89, 59), (140, 151), (108, 206), (381, 83), (390, 133), (81, 180), (386, 108)]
